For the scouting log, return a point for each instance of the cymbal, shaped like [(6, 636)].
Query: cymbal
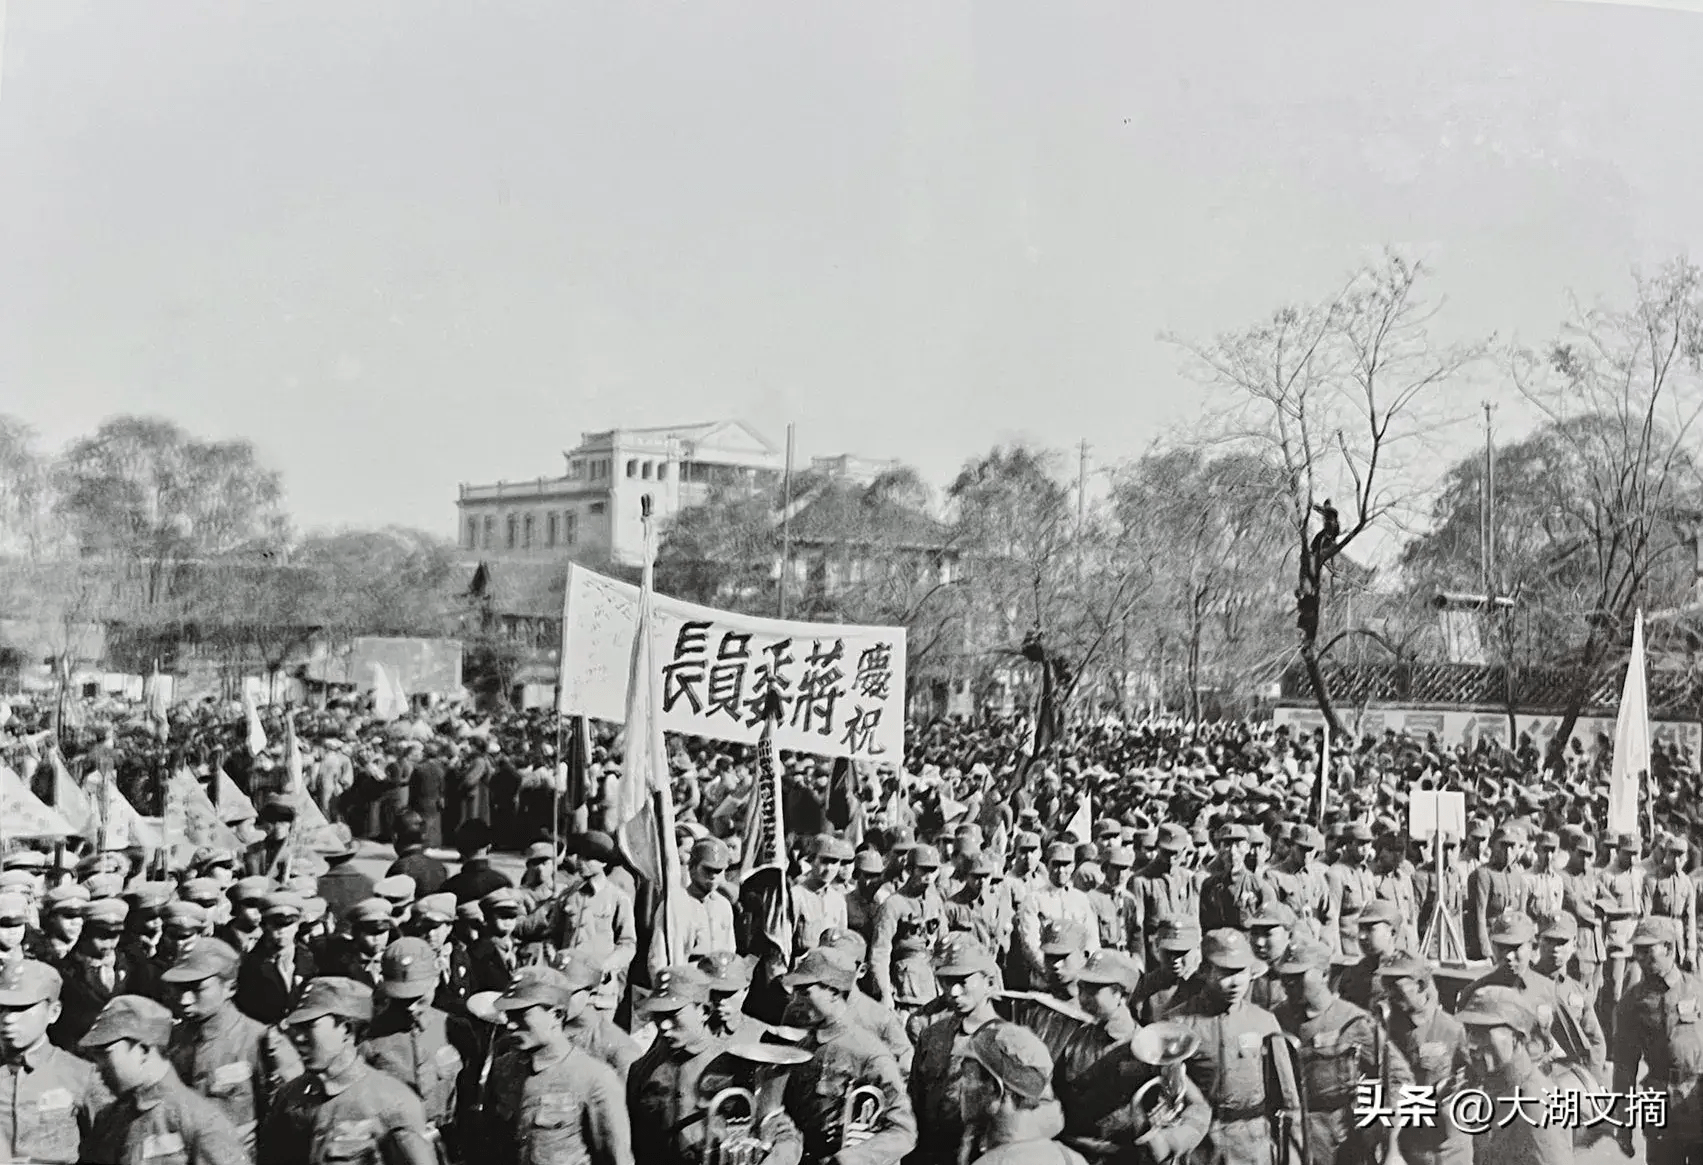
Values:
[(480, 1006), (787, 1035), (777, 1054)]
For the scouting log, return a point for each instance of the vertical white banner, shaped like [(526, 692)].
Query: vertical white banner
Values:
[(1631, 742)]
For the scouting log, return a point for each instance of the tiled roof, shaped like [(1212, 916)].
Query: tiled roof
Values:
[(840, 510), (1536, 690), (532, 589)]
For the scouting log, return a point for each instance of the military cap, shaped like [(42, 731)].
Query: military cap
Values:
[(336, 843), (1227, 948), (371, 912), (536, 986), (27, 982), (149, 897), (211, 959), (846, 941), (1199, 836), (1628, 843), (923, 857), (868, 861), (398, 889), (1061, 937), (14, 910), (726, 971), (1014, 1056), (276, 808), (130, 1017), (1027, 840), (203, 892), (1111, 967), (282, 902), (711, 853), (1654, 931), (1231, 832), (580, 973), (1513, 928), (1514, 833), (1303, 955), (1405, 966), (106, 914), (1106, 827), (983, 866), (439, 908), (1585, 844), (1562, 928), (212, 859), (1379, 910), (963, 956), (1498, 1007), (250, 890), (1307, 837), (69, 898), (1174, 839), (1548, 840), (1061, 851), (1273, 914), (823, 965), (331, 995), (1177, 934), (1676, 844), (1120, 857), (1357, 831), (1085, 854), (831, 848), (25, 859), (185, 916), (540, 851), (503, 900), (1478, 829), (314, 909), (408, 969), (104, 886), (678, 988), (18, 882), (595, 845)]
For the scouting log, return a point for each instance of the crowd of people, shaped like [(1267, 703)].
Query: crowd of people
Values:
[(1155, 942)]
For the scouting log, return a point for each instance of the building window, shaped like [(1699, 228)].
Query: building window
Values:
[(528, 527), (662, 471), (472, 533), (633, 467), (550, 530), (513, 531), (570, 528), (646, 470), (490, 531), (597, 507)]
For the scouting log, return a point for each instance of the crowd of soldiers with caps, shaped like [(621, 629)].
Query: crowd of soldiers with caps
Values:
[(968, 981)]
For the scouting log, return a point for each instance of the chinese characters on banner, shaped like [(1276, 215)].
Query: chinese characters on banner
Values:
[(842, 689)]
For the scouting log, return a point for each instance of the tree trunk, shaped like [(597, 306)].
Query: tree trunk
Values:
[(1321, 690), (1584, 680)]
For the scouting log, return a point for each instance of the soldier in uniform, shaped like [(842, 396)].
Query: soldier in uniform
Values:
[(1581, 891), (277, 965), (1176, 972), (1555, 946), (867, 875), (1350, 886), (411, 1039), (48, 1097), (907, 925), (1659, 1024), (61, 924), (708, 921), (1166, 889), (1270, 933), (359, 955), (1513, 940), (248, 902), (1546, 883), (1231, 894), (968, 977), (846, 1056), (1052, 1013), (1622, 898), (1359, 983), (817, 899), (1010, 1111), (1495, 888), (1670, 894), (1339, 1047), (97, 971), (979, 907), (1392, 882), (556, 1103), (1229, 1063), (878, 1020), (1302, 885), (235, 1062), (592, 918), (155, 1116), (341, 1109), (1503, 1041), (1433, 1044), (666, 1092)]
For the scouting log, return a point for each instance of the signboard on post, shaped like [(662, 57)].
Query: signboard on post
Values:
[(842, 688), (1430, 813)]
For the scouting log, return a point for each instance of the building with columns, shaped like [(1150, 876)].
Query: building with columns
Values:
[(592, 512)]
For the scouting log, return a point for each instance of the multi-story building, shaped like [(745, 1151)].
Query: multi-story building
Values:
[(593, 511)]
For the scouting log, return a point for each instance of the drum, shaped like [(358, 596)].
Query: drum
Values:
[(1571, 1077)]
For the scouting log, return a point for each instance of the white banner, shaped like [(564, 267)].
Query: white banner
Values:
[(1468, 727), (842, 689)]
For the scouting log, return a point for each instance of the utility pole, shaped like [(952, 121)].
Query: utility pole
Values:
[(1082, 486), (786, 521), (1489, 506)]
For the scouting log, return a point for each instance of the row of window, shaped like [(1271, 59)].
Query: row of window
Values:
[(637, 469), (521, 531)]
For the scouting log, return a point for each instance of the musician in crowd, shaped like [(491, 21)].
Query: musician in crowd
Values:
[(875, 1018), (845, 1057), (1010, 1112), (1176, 970), (1051, 1012)]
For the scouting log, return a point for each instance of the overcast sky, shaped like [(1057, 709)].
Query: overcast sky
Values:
[(406, 244)]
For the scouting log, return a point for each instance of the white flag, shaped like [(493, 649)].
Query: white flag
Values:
[(1631, 742), (256, 734), (1082, 825)]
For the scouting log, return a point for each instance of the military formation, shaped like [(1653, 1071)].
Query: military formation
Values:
[(1243, 989)]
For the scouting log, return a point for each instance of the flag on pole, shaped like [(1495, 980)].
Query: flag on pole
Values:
[(159, 711), (68, 798), (643, 800), (1082, 824), (256, 734), (764, 889), (1631, 764), (298, 792), (845, 802)]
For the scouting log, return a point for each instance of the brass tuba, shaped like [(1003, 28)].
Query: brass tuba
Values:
[(1167, 1047), (861, 1115), (736, 1117)]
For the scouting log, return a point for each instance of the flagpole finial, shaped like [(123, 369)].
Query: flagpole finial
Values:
[(772, 709)]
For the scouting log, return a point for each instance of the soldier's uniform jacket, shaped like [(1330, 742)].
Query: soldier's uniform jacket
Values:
[(1579, 897), (1359, 984), (1538, 989), (1490, 894), (1229, 1069), (1230, 899), (236, 1063), (1449, 893), (707, 923), (1517, 1139), (1435, 1051), (1303, 891), (593, 919), (906, 929), (40, 947), (1570, 996), (1659, 1021), (1101, 1095), (1044, 1015), (1159, 993), (1397, 888), (347, 1117), (1165, 894), (48, 1101), (666, 1097), (816, 910), (934, 1094), (601, 1038), (1546, 891), (987, 915), (880, 1021), (1110, 920), (418, 1051), (84, 993), (815, 1097), (1351, 888), (164, 1123), (1624, 890), (569, 1110), (1673, 896), (1337, 1050)]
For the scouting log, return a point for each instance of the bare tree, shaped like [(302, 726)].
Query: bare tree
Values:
[(1341, 396)]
